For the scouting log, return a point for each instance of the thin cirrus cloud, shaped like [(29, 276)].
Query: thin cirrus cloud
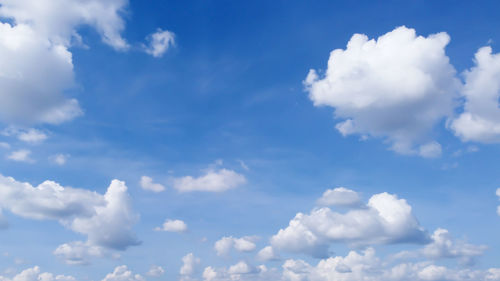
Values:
[(385, 219), (106, 220), (212, 180)]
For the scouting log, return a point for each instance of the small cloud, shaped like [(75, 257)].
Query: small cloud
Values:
[(173, 226), (22, 155), (159, 42), (430, 150), (32, 136), (243, 165), (212, 181), (340, 196), (59, 159), (148, 184), (156, 271), (4, 145)]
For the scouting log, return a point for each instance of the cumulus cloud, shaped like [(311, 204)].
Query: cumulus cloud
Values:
[(159, 42), (173, 226), (397, 87), (156, 271), (241, 271), (189, 267), (122, 273), (385, 219), (31, 135), (106, 220), (36, 64), (34, 274), (268, 253), (367, 266), (480, 120), (244, 244), (148, 184), (339, 196), (212, 181), (21, 155)]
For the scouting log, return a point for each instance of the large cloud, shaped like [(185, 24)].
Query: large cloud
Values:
[(397, 87), (480, 120), (106, 220), (384, 220), (36, 66)]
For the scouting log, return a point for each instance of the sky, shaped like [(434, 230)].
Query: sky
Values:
[(249, 140)]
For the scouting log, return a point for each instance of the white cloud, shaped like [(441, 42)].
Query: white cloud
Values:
[(106, 220), (32, 136), (212, 181), (59, 159), (241, 271), (244, 244), (384, 220), (430, 150), (33, 274), (173, 226), (159, 42), (397, 87), (367, 266), (189, 266), (21, 155), (268, 253), (156, 271), (148, 184), (480, 120), (36, 65), (4, 145), (339, 196), (122, 273), (444, 246)]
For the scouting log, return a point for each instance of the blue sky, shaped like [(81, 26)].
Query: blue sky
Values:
[(190, 140)]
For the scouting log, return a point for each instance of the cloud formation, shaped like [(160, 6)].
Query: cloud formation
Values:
[(159, 43), (340, 196), (244, 244), (397, 87), (106, 220), (480, 119), (385, 219), (148, 184), (173, 226), (212, 181)]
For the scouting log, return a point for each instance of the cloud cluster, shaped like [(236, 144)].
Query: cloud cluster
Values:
[(34, 274), (212, 181), (244, 244), (385, 219), (241, 271), (480, 120), (122, 273), (396, 87), (106, 220)]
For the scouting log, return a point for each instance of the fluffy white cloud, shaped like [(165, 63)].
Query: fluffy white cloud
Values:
[(32, 136), (159, 42), (122, 273), (339, 196), (480, 120), (241, 271), (148, 184), (36, 65), (189, 266), (21, 155), (106, 220), (267, 253), (173, 226), (244, 244), (396, 87), (33, 274), (384, 220), (156, 271), (212, 181)]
